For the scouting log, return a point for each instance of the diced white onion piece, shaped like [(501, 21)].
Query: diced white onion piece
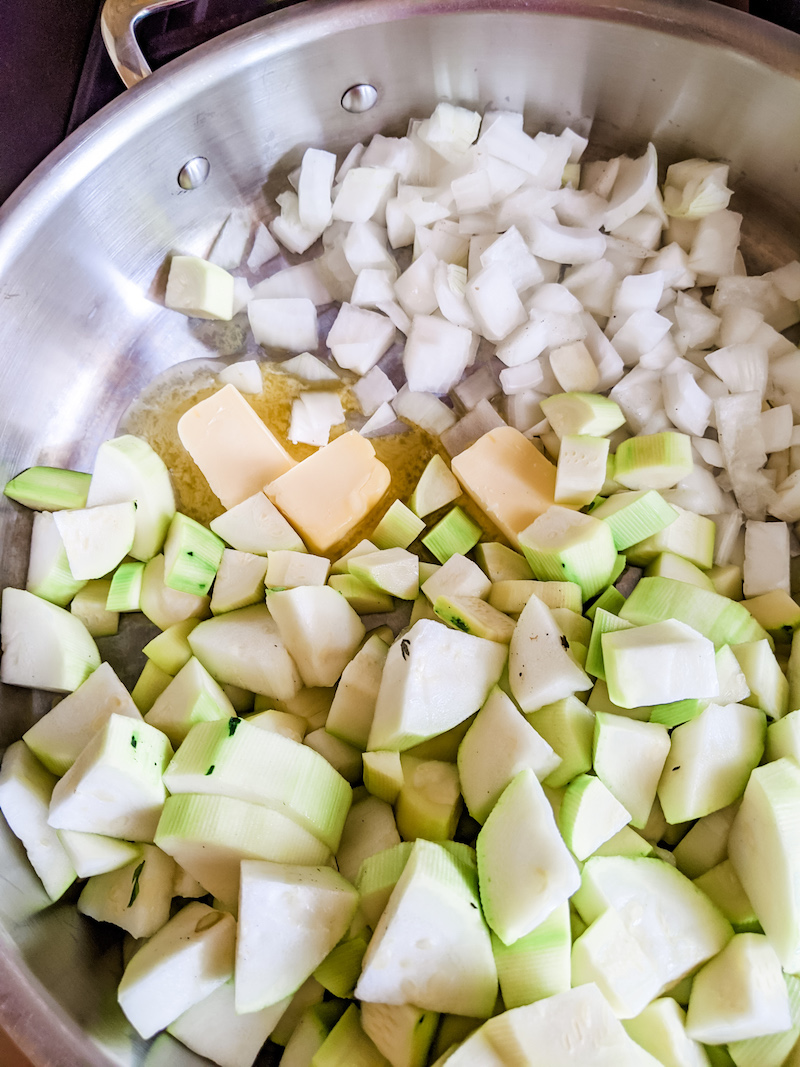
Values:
[(422, 212), (399, 226), (494, 302), (599, 176), (577, 144), (335, 272), (608, 361), (638, 292), (739, 430), (424, 410), (511, 252), (308, 367), (556, 156), (436, 354), (228, 248), (514, 119), (786, 502), (695, 187), (639, 334), (242, 294), (635, 184), (482, 384), (523, 411), (363, 193), (449, 285), (756, 292), (373, 287), (244, 375), (450, 130), (287, 323), (415, 286), (313, 415), (358, 338), (551, 296), (473, 425), (698, 492), (288, 228), (673, 262), (396, 153), (302, 280), (314, 188), (526, 204), (687, 405), (708, 450), (776, 428), (395, 313), (577, 207), (505, 140), (639, 396), (522, 377), (786, 280), (743, 368), (445, 241), (698, 326), (472, 192), (574, 368), (766, 557), (564, 244), (381, 418), (525, 343), (372, 390), (714, 247), (265, 248), (365, 248), (352, 159)]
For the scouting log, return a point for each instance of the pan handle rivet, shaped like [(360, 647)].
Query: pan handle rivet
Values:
[(359, 98), (194, 173)]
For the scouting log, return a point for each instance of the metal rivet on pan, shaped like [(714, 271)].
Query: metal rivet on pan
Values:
[(194, 172), (360, 98)]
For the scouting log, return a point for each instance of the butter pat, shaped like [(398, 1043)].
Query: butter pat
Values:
[(199, 288), (236, 453), (327, 495), (508, 478)]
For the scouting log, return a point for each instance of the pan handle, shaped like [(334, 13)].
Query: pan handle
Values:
[(118, 21)]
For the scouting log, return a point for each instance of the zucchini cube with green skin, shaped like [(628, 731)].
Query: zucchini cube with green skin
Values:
[(629, 758), (319, 629), (125, 591), (188, 958), (710, 760), (235, 759), (722, 886), (340, 969), (603, 622), (674, 923), (49, 488), (566, 545), (126, 468), (634, 516), (433, 679), (49, 576), (541, 667), (276, 953), (474, 616), (783, 738), (569, 1029), (26, 788), (436, 488), (89, 605), (690, 536), (377, 876), (212, 1028), (501, 563), (661, 1030), (582, 413), (429, 802), (239, 581), (362, 598), (524, 867), (456, 532), (96, 539), (776, 611), (498, 745), (44, 646), (589, 815), (347, 1043), (740, 994), (115, 786), (607, 954), (706, 844), (383, 774), (149, 686), (398, 527), (722, 621), (92, 854), (668, 565), (199, 288), (59, 737), (353, 707), (245, 648), (394, 571), (657, 663), (537, 965), (192, 555), (568, 727), (209, 836), (403, 1033), (191, 697), (762, 846), (370, 828), (170, 650), (164, 606), (136, 896), (653, 461), (769, 689), (431, 946)]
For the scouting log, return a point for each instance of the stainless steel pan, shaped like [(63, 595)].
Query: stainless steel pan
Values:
[(83, 241)]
